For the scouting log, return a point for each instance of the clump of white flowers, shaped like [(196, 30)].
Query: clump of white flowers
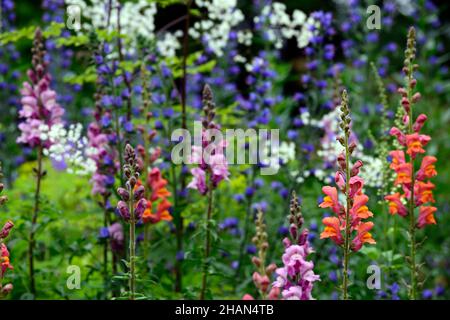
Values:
[(136, 18), (275, 154), (221, 17), (169, 44), (279, 25), (69, 147)]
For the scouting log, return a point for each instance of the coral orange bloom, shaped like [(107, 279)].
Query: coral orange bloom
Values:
[(162, 212), (415, 142), (359, 209), (398, 158), (403, 174), (427, 168), (332, 230), (426, 216), (331, 199), (424, 192), (160, 193), (395, 204), (363, 236), (4, 260)]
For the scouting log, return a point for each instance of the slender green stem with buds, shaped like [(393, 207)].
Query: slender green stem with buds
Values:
[(207, 242), (31, 242), (132, 245)]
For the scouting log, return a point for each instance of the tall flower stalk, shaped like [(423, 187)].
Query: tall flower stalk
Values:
[(40, 112), (131, 209), (349, 217), (416, 191), (261, 277), (296, 278), (212, 169)]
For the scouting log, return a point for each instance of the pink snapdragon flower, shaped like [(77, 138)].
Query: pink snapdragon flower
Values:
[(39, 106), (296, 278), (212, 166)]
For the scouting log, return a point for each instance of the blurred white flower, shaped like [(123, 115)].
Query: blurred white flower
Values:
[(70, 148)]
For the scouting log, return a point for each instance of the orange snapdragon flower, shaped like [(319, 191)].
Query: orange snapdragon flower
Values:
[(403, 173), (395, 204), (162, 212), (363, 235), (331, 199), (398, 158), (423, 192), (4, 260), (332, 230), (427, 168), (426, 216), (415, 143), (359, 209)]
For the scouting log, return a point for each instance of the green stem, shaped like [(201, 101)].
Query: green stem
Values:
[(105, 247), (132, 247), (207, 242), (412, 225), (347, 222), (248, 214), (31, 242)]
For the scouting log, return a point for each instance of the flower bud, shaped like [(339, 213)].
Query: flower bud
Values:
[(419, 122), (256, 261), (274, 293), (123, 210), (341, 161), (139, 192), (402, 91), (271, 268), (303, 237), (256, 279), (293, 230), (132, 181), (340, 182), (3, 200), (140, 208), (416, 97), (286, 242), (352, 147), (123, 193), (264, 283), (405, 103), (6, 229), (7, 289), (355, 169)]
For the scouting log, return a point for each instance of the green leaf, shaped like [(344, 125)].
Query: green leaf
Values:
[(372, 252)]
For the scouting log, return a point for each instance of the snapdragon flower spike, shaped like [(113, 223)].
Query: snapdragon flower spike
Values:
[(132, 195), (296, 278), (415, 190), (211, 172), (413, 183), (261, 277), (39, 107), (348, 229), (358, 210), (131, 207)]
